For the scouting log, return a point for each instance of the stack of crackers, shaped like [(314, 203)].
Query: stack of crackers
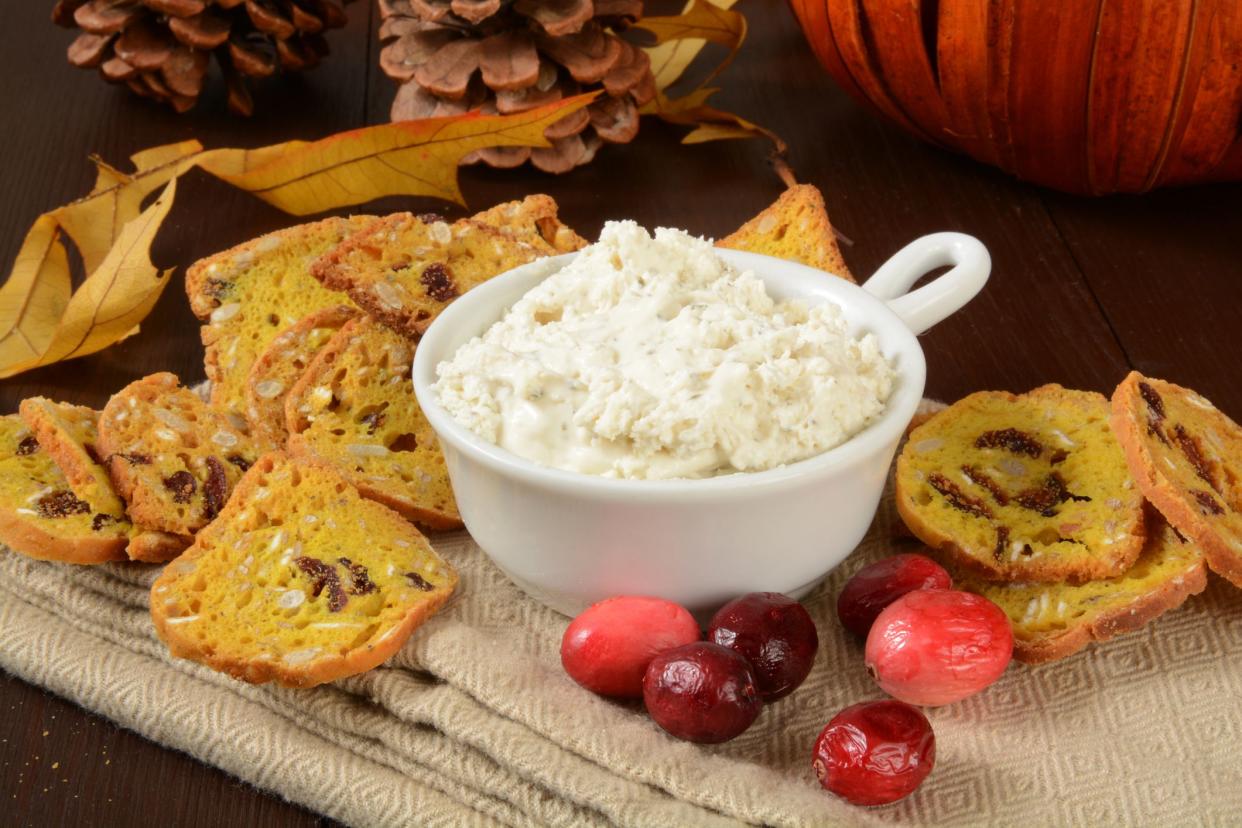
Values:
[(287, 500), (1081, 517)]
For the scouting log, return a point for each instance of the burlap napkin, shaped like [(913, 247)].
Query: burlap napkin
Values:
[(475, 723)]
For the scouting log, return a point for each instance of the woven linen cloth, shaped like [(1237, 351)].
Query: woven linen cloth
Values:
[(474, 722)]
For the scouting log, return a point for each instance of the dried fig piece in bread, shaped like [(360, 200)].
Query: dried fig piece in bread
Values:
[(300, 580), (1028, 487), (1187, 458)]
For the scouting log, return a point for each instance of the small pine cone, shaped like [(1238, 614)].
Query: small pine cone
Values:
[(507, 56), (162, 49)]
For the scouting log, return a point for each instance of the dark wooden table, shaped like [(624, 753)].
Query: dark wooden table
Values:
[(1082, 290)]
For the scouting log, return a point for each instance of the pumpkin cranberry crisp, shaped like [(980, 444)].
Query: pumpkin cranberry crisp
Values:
[(355, 408), (40, 515), (1029, 487), (300, 581), (171, 457), (1053, 621), (1187, 458)]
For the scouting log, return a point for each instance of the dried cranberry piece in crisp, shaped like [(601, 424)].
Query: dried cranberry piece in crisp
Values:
[(101, 520), (1011, 439), (182, 485), (438, 280), (362, 583), (323, 576), (216, 489), (62, 504), (239, 461), (419, 581), (373, 421), (28, 445)]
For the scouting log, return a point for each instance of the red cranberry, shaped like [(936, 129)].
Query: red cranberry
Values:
[(879, 584), (936, 646), (774, 633), (608, 646), (701, 692), (875, 752)]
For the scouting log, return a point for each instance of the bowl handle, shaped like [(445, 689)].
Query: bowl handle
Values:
[(944, 295)]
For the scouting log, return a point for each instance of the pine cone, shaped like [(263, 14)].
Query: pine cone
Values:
[(452, 56), (162, 48)]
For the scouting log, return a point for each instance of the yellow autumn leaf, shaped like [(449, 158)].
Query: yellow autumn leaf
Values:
[(95, 221), (404, 158), (108, 306), (680, 38), (35, 295)]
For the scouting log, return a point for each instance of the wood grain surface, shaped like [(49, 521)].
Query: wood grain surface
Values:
[(1081, 291)]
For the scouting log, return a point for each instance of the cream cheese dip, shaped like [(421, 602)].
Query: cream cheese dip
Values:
[(650, 357)]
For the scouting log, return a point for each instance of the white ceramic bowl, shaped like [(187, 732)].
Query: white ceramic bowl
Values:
[(570, 539)]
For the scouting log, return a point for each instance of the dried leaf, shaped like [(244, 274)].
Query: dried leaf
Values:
[(41, 322), (95, 222), (403, 158), (681, 38), (114, 298), (35, 295)]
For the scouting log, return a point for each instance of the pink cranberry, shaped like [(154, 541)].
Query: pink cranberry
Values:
[(875, 752), (608, 646), (879, 584), (774, 633), (701, 692), (936, 646)]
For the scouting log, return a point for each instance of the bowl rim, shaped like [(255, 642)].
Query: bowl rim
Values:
[(899, 410)]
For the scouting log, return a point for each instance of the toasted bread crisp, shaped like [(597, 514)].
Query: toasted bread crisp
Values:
[(41, 516), (171, 458), (250, 293), (1029, 487), (1052, 621), (279, 367), (299, 581), (1187, 458), (70, 436), (532, 220), (794, 227), (354, 407), (404, 271)]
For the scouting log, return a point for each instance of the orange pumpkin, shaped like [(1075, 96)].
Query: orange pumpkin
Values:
[(1088, 97)]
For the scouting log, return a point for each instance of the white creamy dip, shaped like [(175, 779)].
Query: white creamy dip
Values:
[(654, 358)]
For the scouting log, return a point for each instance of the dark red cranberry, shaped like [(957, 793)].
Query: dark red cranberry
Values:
[(701, 692), (875, 752), (877, 585), (774, 633)]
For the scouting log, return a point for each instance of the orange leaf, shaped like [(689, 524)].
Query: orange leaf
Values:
[(95, 222), (35, 295), (113, 299), (404, 158), (680, 38)]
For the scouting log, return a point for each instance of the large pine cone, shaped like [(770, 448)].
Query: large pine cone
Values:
[(452, 56), (162, 48)]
